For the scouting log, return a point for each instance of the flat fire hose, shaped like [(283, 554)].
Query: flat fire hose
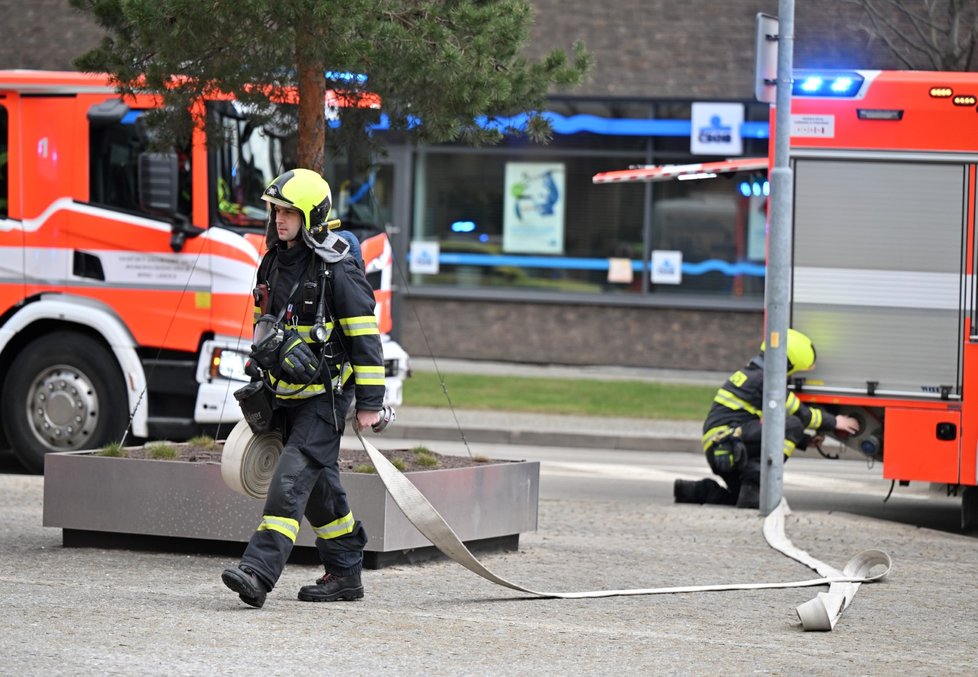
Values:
[(821, 613)]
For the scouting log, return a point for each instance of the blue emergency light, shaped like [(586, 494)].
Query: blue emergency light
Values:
[(463, 226), (755, 188), (837, 84)]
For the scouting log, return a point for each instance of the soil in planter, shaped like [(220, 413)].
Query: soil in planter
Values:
[(351, 460)]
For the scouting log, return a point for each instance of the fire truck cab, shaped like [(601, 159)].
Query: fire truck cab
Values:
[(126, 274), (883, 254)]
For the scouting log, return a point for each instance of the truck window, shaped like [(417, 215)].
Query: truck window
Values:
[(3, 161), (249, 156), (117, 137)]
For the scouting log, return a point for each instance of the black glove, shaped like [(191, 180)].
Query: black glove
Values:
[(297, 361), (727, 455)]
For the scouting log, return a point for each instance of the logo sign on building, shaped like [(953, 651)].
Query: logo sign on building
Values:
[(667, 266), (533, 208), (715, 129), (424, 257)]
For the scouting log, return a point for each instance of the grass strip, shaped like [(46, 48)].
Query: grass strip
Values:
[(584, 397)]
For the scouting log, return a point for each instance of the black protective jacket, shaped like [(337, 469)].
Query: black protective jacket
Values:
[(740, 401), (290, 282)]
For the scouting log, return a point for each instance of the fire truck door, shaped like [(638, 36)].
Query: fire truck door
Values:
[(878, 272), (11, 204)]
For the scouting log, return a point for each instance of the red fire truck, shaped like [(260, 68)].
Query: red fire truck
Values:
[(126, 275), (883, 262)]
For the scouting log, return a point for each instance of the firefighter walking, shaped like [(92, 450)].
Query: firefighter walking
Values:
[(318, 347), (732, 430)]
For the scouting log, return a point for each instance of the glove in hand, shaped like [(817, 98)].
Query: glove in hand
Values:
[(296, 359)]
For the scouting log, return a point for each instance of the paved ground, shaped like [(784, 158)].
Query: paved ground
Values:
[(110, 612)]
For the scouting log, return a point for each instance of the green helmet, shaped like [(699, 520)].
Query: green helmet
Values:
[(304, 190), (800, 351)]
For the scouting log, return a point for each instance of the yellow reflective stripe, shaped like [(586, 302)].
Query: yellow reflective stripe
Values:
[(359, 326), (257, 314), (305, 329), (339, 527), (788, 447), (816, 421), (283, 525), (731, 401), (715, 434), (287, 391), (368, 375), (792, 404)]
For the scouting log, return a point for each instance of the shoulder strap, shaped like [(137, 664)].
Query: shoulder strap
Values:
[(268, 262)]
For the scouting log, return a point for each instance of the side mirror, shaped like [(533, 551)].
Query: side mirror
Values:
[(158, 194), (158, 176)]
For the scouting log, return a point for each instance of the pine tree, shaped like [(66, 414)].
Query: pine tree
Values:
[(437, 66)]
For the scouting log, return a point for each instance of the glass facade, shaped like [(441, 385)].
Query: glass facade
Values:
[(521, 216)]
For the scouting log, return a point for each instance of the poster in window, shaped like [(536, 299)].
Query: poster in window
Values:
[(533, 208)]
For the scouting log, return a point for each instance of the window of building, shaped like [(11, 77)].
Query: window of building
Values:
[(462, 205), (528, 217)]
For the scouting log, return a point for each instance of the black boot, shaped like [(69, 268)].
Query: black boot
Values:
[(248, 586), (702, 491), (749, 496), (331, 588), (686, 491)]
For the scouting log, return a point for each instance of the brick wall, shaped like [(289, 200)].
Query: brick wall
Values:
[(696, 48), (44, 34), (579, 334), (655, 48)]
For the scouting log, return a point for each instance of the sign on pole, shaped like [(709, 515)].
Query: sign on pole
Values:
[(765, 58)]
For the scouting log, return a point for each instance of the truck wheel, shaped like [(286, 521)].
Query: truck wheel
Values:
[(62, 393)]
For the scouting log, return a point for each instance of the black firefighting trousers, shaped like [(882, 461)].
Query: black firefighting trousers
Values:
[(711, 492), (306, 482)]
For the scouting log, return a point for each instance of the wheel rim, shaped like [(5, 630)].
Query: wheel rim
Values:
[(63, 408)]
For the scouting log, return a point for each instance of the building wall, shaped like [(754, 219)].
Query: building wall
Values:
[(697, 48), (44, 34), (672, 338), (653, 48)]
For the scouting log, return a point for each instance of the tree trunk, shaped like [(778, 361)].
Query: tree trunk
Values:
[(312, 111)]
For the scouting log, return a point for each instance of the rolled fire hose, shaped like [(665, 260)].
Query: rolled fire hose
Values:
[(248, 460), (821, 613)]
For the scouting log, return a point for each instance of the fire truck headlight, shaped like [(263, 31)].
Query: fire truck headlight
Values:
[(229, 364)]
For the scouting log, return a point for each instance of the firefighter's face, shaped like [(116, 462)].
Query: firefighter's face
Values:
[(287, 224)]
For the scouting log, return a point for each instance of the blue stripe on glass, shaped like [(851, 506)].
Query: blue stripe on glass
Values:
[(593, 124), (571, 263)]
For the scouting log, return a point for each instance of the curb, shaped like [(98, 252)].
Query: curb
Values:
[(546, 438)]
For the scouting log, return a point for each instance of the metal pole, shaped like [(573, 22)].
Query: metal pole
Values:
[(778, 278)]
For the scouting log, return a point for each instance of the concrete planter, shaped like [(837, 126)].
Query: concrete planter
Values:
[(106, 501)]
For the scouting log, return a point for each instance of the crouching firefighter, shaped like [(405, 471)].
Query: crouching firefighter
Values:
[(732, 430), (316, 347)]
